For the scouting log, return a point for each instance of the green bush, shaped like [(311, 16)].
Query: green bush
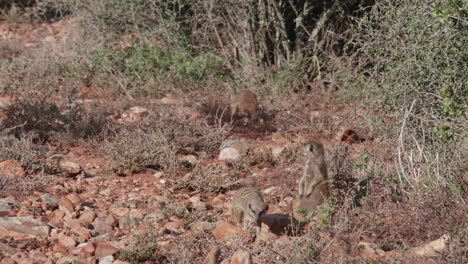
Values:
[(147, 69), (417, 51)]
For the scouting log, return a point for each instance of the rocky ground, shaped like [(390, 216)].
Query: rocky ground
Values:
[(80, 209)]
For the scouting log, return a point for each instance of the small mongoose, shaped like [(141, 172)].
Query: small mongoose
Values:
[(244, 103), (315, 170), (248, 206)]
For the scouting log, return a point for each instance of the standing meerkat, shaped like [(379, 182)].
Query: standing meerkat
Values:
[(244, 103), (315, 175), (248, 206)]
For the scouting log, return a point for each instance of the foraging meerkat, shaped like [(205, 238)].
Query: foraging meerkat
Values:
[(244, 103), (248, 206), (315, 171)]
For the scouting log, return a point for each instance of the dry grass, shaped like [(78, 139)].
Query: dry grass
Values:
[(22, 187), (156, 142), (19, 149)]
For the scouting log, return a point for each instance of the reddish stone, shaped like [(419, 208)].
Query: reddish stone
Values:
[(11, 168), (226, 230), (104, 249)]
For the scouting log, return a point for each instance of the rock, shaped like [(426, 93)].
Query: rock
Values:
[(136, 203), (7, 206), (75, 199), (225, 231), (104, 249), (174, 226), (275, 225), (171, 100), (120, 211), (7, 261), (86, 250), (57, 164), (213, 256), (72, 260), (120, 262), (66, 206), (202, 227), (158, 175), (370, 251), (5, 102), (57, 248), (82, 232), (188, 113), (11, 168), (197, 203), (66, 241), (18, 256), (107, 260), (51, 202), (279, 138), (276, 151), (39, 258), (128, 222), (5, 248), (229, 154), (111, 220), (154, 218), (190, 159), (240, 144), (135, 113), (137, 213), (56, 216), (26, 225), (101, 227), (241, 257), (87, 217), (431, 249), (271, 190), (218, 200)]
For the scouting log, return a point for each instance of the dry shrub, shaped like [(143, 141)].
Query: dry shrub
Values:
[(145, 250), (194, 248), (43, 114), (156, 141), (205, 179), (19, 149), (9, 49), (22, 187)]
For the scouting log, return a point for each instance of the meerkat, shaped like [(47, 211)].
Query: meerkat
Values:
[(315, 171), (248, 206), (244, 103)]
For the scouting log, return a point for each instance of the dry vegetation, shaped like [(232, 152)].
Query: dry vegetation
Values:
[(394, 71)]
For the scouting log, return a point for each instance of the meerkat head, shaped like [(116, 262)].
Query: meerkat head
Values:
[(257, 209), (313, 148)]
